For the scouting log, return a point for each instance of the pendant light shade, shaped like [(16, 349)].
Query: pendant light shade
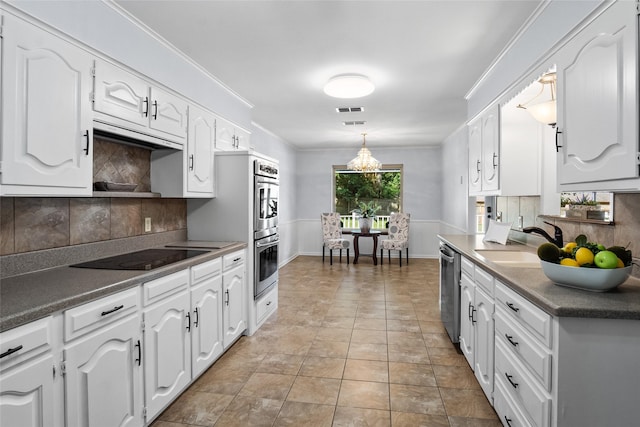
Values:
[(544, 111), (364, 161)]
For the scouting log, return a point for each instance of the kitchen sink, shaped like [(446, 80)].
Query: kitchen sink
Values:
[(510, 258)]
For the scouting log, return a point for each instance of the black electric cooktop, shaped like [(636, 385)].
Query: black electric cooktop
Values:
[(147, 259)]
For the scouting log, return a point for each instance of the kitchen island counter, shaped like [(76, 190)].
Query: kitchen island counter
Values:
[(31, 296), (622, 302)]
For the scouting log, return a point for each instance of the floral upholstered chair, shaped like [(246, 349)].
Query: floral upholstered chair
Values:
[(398, 236), (332, 235)]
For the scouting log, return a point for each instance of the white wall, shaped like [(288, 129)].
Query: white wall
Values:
[(455, 212), (422, 193)]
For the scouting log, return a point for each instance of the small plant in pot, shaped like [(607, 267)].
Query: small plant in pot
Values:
[(366, 212)]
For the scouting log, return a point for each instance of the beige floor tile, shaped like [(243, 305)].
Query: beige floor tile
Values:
[(359, 417), (364, 394), (401, 314), (246, 411), (334, 334), (329, 349), (411, 374), (403, 353), (366, 370), (473, 422), (288, 364), (467, 403), (446, 356), (365, 336), (305, 414), (416, 399), (338, 322), (437, 340), (368, 351), (404, 338), (315, 390), (370, 323), (431, 327), (455, 377), (403, 325), (406, 419), (325, 367), (198, 408), (268, 386)]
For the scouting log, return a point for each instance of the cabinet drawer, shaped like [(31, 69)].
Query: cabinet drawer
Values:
[(520, 343), (484, 280), (509, 413), (206, 270), (532, 318), (522, 387), (91, 316), (467, 267), (232, 259), (267, 304), (25, 342), (163, 287)]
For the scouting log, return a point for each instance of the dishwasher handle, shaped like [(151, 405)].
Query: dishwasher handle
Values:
[(445, 256)]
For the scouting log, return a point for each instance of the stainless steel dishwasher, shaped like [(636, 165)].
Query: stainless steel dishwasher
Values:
[(450, 291)]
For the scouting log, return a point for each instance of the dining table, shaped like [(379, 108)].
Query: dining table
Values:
[(357, 233)]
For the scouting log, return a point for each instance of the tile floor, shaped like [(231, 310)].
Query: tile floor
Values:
[(350, 345)]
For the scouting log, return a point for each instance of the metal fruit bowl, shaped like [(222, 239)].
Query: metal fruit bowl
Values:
[(588, 279)]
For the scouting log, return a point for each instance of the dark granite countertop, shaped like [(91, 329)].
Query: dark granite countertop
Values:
[(622, 302), (28, 297)]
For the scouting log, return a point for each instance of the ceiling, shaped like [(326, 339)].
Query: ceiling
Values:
[(422, 55)]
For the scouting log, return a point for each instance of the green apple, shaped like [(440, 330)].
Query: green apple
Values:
[(606, 259)]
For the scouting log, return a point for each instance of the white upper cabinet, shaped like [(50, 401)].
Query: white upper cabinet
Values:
[(597, 139), (47, 137), (127, 104), (484, 153), (202, 132), (230, 137)]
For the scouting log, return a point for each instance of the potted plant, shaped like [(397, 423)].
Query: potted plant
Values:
[(578, 205), (366, 213)]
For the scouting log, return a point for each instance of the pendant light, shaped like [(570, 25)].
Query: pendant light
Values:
[(364, 161), (544, 112)]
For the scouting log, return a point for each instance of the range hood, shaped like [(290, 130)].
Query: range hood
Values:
[(124, 135)]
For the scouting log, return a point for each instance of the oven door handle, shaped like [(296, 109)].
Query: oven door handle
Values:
[(448, 258), (271, 243)]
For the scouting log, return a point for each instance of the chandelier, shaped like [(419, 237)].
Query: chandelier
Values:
[(544, 112), (364, 161)]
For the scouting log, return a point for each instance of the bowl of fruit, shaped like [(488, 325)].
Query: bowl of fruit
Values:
[(586, 265)]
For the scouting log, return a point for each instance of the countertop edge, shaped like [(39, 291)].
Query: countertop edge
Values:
[(545, 302), (19, 318)]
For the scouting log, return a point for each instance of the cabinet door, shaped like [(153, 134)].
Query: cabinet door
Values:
[(103, 377), (168, 114), (598, 99), (225, 135), (167, 351), (201, 137), (242, 139), (26, 394), (491, 150), (484, 341), (46, 114), (475, 156), (467, 316), (120, 94), (206, 335), (233, 309)]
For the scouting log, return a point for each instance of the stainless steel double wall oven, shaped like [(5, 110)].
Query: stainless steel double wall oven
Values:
[(266, 237)]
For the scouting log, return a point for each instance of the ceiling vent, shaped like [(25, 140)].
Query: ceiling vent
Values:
[(350, 109), (354, 123)]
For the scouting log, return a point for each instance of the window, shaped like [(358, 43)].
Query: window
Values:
[(350, 188)]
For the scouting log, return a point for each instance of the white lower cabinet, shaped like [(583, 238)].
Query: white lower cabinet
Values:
[(234, 307), (477, 325), (28, 377), (103, 373)]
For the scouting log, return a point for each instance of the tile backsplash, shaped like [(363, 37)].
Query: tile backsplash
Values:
[(31, 224)]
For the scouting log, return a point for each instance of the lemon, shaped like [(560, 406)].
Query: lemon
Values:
[(569, 262), (568, 248), (620, 264), (584, 256)]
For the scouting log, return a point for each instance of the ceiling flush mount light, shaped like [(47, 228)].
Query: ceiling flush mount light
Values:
[(364, 161), (544, 111), (349, 86)]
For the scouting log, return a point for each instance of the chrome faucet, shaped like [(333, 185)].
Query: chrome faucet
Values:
[(556, 240)]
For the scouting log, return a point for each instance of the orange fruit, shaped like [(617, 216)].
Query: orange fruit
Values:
[(584, 256), (569, 262)]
